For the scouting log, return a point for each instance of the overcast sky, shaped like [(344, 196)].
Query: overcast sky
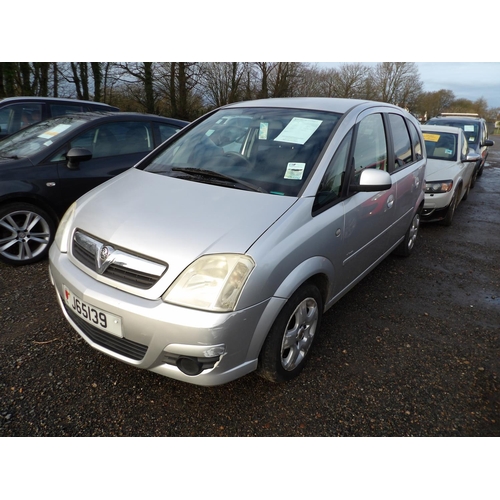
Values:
[(466, 80)]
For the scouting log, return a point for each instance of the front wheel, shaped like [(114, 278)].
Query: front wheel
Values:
[(474, 177), (288, 344), (480, 170), (466, 194), (26, 233), (451, 210)]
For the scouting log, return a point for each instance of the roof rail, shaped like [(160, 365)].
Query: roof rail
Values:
[(460, 114)]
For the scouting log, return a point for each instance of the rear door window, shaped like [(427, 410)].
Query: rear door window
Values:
[(166, 131), (17, 116), (65, 109)]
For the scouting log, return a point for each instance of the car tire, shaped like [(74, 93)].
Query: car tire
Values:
[(288, 344), (474, 178), (480, 170), (451, 211), (406, 247), (26, 233), (466, 194)]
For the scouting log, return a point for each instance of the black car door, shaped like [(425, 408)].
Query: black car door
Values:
[(115, 147)]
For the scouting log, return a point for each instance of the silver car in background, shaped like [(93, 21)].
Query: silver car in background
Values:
[(219, 252)]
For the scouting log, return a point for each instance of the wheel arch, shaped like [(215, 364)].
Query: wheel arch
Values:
[(317, 271), (32, 200)]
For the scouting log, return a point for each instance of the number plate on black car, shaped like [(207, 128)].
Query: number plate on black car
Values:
[(93, 315)]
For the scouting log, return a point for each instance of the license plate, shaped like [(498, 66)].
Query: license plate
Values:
[(93, 315)]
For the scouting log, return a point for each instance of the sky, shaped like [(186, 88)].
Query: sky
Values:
[(467, 80)]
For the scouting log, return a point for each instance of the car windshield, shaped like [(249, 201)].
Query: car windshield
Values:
[(271, 150), (37, 137), (441, 145), (470, 128)]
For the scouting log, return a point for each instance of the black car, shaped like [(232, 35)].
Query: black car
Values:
[(19, 112), (47, 166), (476, 132)]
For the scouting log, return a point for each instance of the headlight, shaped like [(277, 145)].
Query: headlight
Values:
[(211, 283), (62, 234), (438, 186)]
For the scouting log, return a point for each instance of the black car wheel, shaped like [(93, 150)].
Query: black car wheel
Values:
[(451, 210), (288, 344), (480, 170), (475, 175), (466, 194), (26, 233)]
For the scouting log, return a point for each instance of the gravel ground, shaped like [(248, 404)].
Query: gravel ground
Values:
[(413, 350)]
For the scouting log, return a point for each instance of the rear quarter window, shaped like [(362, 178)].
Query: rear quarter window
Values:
[(403, 153)]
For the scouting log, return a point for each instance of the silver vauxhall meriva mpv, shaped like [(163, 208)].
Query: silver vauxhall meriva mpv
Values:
[(219, 252)]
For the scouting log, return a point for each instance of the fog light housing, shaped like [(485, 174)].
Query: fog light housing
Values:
[(189, 366)]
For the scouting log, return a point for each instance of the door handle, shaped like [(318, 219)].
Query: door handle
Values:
[(390, 201)]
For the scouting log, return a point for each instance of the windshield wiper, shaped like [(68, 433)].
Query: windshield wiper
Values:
[(216, 175), (13, 157)]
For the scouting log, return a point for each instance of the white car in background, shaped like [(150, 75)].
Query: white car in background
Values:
[(449, 173)]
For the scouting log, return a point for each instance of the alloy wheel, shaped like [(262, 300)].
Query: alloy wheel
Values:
[(24, 236)]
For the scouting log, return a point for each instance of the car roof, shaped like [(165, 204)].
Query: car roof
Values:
[(441, 128), (466, 115), (457, 119), (53, 100), (122, 116), (331, 104)]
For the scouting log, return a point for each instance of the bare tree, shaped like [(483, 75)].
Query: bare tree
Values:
[(40, 85), (265, 69), (311, 82), (348, 81), (284, 77), (222, 82), (7, 79), (80, 73), (139, 81), (179, 90), (397, 82), (97, 75)]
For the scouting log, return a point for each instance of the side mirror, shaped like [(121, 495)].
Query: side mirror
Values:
[(75, 156), (372, 180), (488, 142), (472, 156)]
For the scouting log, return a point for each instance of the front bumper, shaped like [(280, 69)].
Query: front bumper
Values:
[(164, 338), (436, 206)]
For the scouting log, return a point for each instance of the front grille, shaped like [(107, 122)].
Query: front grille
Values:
[(124, 347), (123, 267)]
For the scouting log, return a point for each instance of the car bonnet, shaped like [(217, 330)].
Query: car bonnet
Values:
[(440, 169), (174, 220)]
